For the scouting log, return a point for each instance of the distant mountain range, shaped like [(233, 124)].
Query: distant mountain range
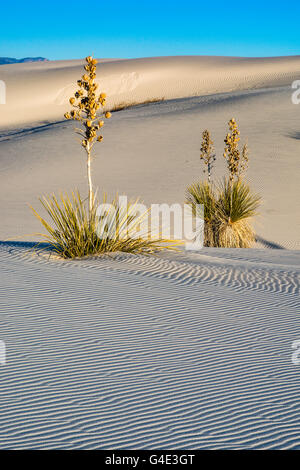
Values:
[(11, 60)]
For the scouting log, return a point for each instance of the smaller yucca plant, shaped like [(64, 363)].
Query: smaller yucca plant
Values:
[(203, 193), (235, 206), (236, 203), (228, 206), (76, 232)]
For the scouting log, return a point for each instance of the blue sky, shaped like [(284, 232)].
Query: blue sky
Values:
[(70, 30)]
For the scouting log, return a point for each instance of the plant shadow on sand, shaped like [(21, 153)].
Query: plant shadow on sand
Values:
[(269, 244), (23, 244), (294, 135), (28, 246), (12, 134), (46, 248)]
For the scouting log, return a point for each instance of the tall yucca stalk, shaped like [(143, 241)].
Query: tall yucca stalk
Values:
[(237, 160), (207, 153), (86, 106), (229, 205)]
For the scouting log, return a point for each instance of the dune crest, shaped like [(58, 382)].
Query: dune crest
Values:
[(39, 91)]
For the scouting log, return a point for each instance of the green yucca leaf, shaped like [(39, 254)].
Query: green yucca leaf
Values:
[(228, 207), (72, 231), (202, 193), (236, 201)]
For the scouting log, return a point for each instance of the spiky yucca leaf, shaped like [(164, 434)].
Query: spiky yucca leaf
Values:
[(76, 232), (235, 206), (203, 193), (227, 210), (236, 200)]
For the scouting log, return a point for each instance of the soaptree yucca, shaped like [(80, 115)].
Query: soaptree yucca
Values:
[(237, 204), (86, 105), (228, 205), (75, 232), (203, 193), (235, 207), (75, 228)]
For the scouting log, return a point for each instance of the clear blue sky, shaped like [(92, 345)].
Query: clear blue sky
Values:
[(131, 28)]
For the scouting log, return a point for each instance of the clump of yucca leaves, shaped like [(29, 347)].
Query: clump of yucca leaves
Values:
[(75, 230), (203, 193), (229, 204)]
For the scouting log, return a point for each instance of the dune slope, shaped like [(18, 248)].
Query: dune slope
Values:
[(179, 351), (175, 352), (152, 152), (39, 92)]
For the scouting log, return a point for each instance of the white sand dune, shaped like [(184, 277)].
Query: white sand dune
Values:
[(180, 351), (133, 352), (152, 152), (40, 91)]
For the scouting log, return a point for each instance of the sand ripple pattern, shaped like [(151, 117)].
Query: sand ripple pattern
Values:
[(175, 352)]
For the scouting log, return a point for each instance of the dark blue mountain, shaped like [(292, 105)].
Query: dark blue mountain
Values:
[(11, 60)]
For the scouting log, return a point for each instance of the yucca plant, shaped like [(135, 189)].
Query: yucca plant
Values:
[(203, 193), (76, 232), (236, 205), (74, 229), (229, 205)]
